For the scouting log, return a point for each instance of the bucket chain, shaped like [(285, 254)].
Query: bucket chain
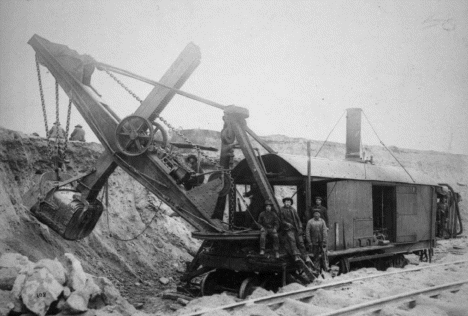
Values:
[(41, 91), (65, 146), (44, 110)]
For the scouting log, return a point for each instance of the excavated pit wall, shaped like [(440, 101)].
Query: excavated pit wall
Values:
[(160, 252)]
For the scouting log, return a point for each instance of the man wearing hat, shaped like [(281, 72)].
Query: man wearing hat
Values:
[(317, 236), (78, 134), (292, 228), (57, 131), (268, 223), (319, 207)]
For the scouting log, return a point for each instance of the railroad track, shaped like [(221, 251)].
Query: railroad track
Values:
[(369, 306)]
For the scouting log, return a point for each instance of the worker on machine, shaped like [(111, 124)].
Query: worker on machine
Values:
[(441, 216), (317, 236), (78, 134), (57, 131), (292, 229), (195, 180), (268, 223), (255, 206)]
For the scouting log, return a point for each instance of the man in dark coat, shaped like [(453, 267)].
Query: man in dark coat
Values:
[(292, 228), (441, 216), (78, 134), (269, 224), (319, 207)]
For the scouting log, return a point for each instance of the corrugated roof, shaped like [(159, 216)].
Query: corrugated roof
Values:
[(344, 169)]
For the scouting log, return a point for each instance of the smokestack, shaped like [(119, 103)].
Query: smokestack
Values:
[(353, 134)]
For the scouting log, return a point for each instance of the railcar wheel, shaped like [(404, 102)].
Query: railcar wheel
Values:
[(134, 135), (209, 284), (399, 261), (248, 286)]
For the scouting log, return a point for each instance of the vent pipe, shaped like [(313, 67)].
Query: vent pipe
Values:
[(353, 134)]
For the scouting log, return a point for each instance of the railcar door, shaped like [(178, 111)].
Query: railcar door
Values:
[(384, 211), (409, 217)]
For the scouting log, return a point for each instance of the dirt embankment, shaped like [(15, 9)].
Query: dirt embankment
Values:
[(134, 266)]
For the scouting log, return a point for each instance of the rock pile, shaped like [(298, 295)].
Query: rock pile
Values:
[(52, 288)]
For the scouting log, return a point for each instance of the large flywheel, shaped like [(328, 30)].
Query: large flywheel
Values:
[(134, 135)]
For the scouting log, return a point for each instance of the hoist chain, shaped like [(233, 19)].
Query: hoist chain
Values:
[(123, 85), (58, 141), (44, 110), (41, 91), (65, 146)]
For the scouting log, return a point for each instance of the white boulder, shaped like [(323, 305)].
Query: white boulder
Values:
[(40, 290), (54, 267), (76, 277)]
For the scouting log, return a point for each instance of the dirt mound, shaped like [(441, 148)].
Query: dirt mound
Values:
[(134, 266)]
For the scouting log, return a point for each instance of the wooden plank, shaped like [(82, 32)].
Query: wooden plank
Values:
[(175, 77)]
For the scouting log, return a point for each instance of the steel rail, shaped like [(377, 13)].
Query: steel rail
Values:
[(309, 291), (377, 305)]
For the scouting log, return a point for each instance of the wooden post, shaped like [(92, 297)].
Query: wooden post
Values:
[(308, 187)]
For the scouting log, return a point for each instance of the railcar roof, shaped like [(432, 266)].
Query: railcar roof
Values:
[(339, 169)]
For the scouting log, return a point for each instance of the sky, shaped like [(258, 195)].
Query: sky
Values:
[(296, 65)]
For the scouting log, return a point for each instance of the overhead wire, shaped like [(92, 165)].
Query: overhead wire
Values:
[(381, 142), (329, 134)]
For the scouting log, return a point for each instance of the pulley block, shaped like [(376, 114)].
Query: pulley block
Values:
[(134, 135)]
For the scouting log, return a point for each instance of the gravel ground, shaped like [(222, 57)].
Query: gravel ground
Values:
[(368, 290)]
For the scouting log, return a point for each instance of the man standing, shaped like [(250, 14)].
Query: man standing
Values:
[(269, 224), (441, 216), (78, 134), (319, 207), (317, 236), (292, 228)]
